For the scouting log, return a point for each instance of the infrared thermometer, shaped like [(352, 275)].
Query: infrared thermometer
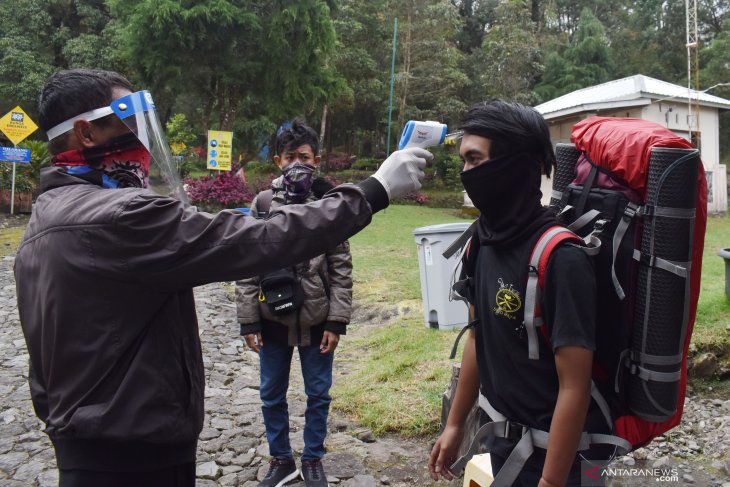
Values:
[(422, 134)]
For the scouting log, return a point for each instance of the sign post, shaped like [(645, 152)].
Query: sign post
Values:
[(219, 150), (16, 125), (14, 156)]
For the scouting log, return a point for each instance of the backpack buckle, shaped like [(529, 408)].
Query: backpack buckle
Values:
[(630, 211), (514, 431), (598, 227)]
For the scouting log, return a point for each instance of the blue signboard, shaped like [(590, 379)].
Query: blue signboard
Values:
[(13, 154)]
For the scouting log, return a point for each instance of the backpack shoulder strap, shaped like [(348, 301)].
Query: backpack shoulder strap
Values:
[(463, 288), (263, 203), (461, 240), (539, 259), (320, 186)]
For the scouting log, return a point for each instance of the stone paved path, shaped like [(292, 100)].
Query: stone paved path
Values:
[(232, 449)]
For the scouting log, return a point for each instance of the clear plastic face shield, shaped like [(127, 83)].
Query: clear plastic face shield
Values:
[(137, 112)]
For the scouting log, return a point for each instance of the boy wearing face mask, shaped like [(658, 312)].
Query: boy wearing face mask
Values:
[(505, 148), (314, 328)]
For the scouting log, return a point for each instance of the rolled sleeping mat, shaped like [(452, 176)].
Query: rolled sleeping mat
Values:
[(662, 296), (566, 156)]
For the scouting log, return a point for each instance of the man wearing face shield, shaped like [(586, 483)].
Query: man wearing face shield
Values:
[(105, 274)]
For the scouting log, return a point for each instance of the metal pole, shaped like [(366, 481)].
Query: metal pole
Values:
[(12, 186), (392, 74)]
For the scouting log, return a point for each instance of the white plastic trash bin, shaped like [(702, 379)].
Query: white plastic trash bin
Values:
[(436, 275)]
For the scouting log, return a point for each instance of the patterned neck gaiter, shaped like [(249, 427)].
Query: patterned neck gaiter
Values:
[(298, 181), (121, 163)]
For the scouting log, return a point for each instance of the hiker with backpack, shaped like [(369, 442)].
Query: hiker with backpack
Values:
[(583, 310), (307, 306), (505, 148)]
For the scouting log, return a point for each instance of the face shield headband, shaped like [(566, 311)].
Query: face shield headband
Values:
[(137, 111)]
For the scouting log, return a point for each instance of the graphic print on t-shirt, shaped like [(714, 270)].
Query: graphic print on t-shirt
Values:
[(508, 301)]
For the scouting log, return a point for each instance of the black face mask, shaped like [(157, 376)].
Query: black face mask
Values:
[(506, 191)]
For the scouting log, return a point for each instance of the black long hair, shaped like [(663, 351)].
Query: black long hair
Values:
[(511, 127)]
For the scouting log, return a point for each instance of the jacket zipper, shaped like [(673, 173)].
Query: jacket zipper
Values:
[(299, 325)]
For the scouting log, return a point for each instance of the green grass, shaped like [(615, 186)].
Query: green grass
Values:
[(399, 374), (713, 310), (400, 370), (10, 239), (385, 258)]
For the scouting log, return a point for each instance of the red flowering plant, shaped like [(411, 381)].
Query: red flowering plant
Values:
[(224, 190), (414, 197)]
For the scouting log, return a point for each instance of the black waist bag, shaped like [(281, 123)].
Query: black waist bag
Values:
[(281, 292)]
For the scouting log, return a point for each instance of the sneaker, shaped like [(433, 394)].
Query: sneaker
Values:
[(313, 473), (281, 471)]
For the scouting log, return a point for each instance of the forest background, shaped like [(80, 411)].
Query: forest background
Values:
[(249, 65)]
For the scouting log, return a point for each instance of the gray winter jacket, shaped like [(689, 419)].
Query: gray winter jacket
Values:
[(326, 283), (104, 284)]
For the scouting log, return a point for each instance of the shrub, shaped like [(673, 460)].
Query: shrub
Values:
[(340, 162), (224, 190), (180, 135), (351, 175), (366, 164), (256, 167), (39, 158), (447, 167), (24, 183), (445, 200), (261, 183)]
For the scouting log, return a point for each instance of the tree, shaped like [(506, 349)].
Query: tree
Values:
[(652, 41), (476, 17), (585, 62), (510, 55), (430, 77), (39, 37), (25, 59), (716, 71), (362, 57), (262, 61)]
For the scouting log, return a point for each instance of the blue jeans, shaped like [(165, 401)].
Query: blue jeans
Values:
[(317, 373)]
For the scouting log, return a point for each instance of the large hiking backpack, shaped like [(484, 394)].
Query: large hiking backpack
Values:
[(634, 195)]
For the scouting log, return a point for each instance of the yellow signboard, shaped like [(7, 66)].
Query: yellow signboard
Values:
[(219, 150), (177, 148), (17, 125)]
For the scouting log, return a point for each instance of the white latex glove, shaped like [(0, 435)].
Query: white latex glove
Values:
[(402, 171)]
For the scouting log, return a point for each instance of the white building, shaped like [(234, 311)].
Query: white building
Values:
[(650, 99)]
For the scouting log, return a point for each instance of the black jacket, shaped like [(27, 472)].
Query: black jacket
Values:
[(104, 284)]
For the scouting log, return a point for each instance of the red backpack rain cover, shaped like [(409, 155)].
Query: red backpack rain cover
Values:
[(623, 146)]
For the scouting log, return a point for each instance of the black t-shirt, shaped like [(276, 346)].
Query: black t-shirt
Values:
[(522, 389)]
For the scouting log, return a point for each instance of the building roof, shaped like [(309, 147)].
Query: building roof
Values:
[(635, 90)]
